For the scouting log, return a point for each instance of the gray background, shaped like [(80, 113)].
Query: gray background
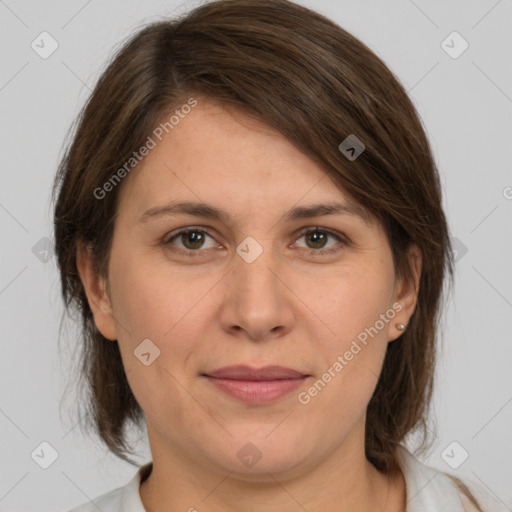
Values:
[(466, 106)]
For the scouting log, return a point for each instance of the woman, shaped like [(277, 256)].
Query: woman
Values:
[(249, 221)]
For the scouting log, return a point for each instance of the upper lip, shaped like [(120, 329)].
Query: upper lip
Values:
[(244, 372)]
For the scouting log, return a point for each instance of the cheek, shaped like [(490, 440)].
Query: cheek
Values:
[(161, 310), (151, 300), (357, 309), (354, 300), (167, 307)]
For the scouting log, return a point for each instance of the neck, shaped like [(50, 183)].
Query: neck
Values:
[(348, 482)]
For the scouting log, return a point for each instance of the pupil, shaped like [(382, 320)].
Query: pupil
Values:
[(195, 238), (318, 238)]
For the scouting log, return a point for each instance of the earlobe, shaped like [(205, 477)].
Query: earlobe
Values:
[(406, 294), (95, 290)]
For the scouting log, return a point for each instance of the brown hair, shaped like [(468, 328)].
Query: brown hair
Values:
[(316, 84)]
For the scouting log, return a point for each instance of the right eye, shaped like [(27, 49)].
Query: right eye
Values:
[(191, 239)]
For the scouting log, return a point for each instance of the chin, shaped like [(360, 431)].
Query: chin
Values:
[(252, 457)]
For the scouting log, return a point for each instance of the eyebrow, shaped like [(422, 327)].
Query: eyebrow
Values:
[(207, 211)]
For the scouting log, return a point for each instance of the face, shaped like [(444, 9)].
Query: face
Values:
[(254, 285)]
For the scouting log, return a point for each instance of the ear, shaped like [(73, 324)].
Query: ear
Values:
[(406, 294), (95, 290)]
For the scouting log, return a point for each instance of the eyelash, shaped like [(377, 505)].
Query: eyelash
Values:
[(313, 252)]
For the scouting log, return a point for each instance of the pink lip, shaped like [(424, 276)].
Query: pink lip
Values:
[(244, 372), (256, 386)]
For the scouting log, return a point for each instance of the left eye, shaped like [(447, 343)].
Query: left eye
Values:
[(318, 239)]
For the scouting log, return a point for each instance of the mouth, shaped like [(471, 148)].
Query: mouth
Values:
[(256, 386)]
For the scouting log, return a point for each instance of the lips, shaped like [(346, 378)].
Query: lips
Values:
[(256, 386), (243, 372)]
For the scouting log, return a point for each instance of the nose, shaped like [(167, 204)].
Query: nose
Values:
[(258, 305)]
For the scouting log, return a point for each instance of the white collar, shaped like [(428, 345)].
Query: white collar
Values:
[(427, 488)]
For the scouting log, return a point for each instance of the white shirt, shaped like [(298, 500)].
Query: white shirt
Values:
[(427, 490)]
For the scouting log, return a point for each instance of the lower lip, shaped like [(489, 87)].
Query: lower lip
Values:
[(257, 392)]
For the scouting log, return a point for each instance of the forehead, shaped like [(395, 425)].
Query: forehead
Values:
[(237, 164)]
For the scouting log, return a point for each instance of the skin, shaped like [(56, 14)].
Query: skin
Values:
[(291, 307)]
